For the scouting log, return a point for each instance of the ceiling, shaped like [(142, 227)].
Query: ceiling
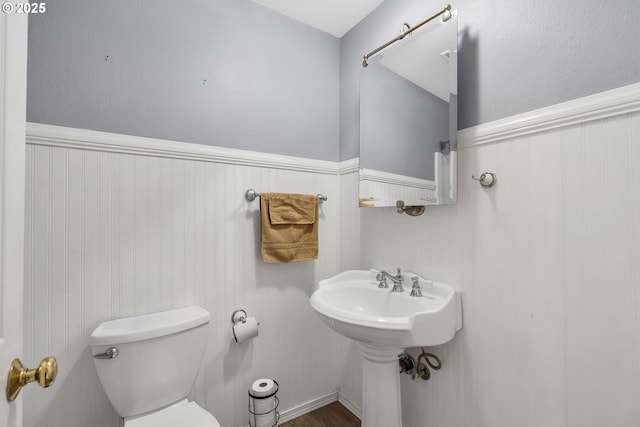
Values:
[(335, 17)]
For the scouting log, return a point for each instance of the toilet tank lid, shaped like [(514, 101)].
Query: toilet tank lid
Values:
[(139, 328)]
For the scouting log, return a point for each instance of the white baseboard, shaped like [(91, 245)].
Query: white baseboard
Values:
[(348, 403), (305, 408)]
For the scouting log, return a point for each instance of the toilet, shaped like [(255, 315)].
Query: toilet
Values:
[(148, 364)]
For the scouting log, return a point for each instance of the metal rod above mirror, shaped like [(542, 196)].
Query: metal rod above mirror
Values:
[(407, 30)]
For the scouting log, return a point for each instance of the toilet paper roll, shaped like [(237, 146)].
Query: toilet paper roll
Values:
[(264, 414), (263, 387), (243, 331)]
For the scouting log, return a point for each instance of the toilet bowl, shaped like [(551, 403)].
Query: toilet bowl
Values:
[(183, 413), (148, 364)]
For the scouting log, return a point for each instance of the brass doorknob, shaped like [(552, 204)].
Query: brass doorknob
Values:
[(19, 376)]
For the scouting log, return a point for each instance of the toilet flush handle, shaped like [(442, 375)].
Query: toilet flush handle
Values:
[(109, 354)]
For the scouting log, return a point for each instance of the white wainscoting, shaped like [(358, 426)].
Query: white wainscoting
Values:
[(548, 263), (119, 226), (350, 238)]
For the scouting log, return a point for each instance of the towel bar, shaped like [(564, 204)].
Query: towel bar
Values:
[(252, 194)]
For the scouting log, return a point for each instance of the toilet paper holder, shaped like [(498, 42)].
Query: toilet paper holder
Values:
[(244, 328), (239, 316)]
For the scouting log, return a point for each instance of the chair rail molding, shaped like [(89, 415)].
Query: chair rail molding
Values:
[(84, 139), (600, 106)]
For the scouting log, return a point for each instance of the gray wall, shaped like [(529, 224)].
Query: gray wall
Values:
[(229, 73), (514, 56), (401, 124), (277, 86)]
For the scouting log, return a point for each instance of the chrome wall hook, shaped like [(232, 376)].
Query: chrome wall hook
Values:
[(487, 179)]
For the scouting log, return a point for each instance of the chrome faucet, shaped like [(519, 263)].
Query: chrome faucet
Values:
[(397, 280)]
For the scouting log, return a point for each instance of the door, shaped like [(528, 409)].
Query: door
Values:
[(13, 93)]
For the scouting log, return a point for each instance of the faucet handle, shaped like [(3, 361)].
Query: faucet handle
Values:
[(383, 282), (415, 288), (380, 274)]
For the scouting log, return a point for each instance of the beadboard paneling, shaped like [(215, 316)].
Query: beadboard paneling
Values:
[(350, 382), (114, 234), (547, 263)]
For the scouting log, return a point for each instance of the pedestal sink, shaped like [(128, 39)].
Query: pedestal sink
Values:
[(384, 323)]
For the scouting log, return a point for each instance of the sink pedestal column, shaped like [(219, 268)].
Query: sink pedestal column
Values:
[(380, 386)]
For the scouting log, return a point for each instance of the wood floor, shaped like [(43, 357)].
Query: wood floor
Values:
[(332, 415)]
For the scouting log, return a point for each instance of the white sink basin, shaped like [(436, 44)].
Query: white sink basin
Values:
[(352, 305)]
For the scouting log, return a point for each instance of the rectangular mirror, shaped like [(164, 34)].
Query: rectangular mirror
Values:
[(408, 120)]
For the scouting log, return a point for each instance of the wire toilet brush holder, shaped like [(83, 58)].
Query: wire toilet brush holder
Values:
[(261, 412)]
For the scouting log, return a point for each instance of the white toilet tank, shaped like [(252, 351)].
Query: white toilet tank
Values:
[(158, 358)]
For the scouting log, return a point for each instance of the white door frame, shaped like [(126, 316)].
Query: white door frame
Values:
[(13, 94)]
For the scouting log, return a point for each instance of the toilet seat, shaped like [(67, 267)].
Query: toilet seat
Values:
[(183, 413)]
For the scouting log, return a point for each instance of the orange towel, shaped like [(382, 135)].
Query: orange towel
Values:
[(289, 227)]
